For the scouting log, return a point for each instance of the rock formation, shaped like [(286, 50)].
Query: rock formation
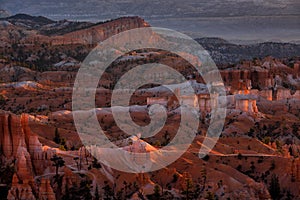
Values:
[(19, 190), (267, 94), (240, 79), (282, 94), (100, 32), (246, 103), (20, 144), (46, 191)]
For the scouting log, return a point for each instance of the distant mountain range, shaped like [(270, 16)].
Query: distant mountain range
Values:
[(44, 25), (251, 20), (222, 51)]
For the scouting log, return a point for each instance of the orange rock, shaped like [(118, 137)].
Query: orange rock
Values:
[(46, 191)]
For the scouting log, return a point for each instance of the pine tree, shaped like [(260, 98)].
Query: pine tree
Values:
[(188, 191), (57, 162), (108, 192), (56, 138), (210, 196), (274, 187), (97, 196), (156, 191)]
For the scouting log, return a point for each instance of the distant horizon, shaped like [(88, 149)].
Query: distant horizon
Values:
[(242, 22)]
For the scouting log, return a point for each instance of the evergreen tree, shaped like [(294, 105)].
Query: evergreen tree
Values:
[(97, 196), (156, 191), (188, 191), (85, 190), (57, 162), (108, 192), (210, 196), (56, 138), (274, 187)]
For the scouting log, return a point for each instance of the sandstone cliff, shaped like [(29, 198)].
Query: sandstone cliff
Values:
[(100, 32), (22, 146)]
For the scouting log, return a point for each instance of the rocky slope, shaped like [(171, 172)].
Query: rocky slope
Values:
[(224, 52), (68, 32), (238, 167)]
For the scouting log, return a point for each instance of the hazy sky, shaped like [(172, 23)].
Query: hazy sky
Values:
[(229, 19)]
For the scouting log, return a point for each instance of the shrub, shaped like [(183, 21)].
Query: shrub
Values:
[(240, 156)]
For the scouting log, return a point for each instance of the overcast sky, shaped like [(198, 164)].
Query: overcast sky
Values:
[(230, 19)]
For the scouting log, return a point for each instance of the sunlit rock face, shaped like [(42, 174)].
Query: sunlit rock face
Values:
[(90, 34), (97, 33), (246, 79), (18, 143), (246, 105), (282, 94)]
